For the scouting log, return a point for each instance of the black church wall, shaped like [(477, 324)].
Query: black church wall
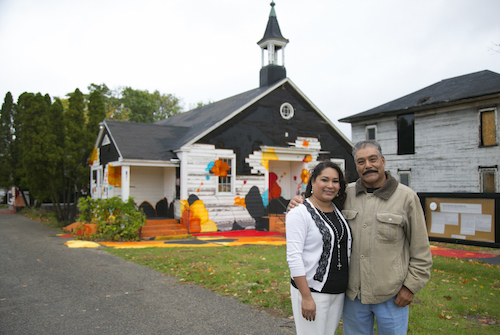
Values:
[(107, 153), (262, 124)]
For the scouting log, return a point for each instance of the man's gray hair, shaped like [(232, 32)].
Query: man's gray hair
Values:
[(364, 144)]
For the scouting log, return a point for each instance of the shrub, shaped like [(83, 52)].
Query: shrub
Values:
[(116, 220)]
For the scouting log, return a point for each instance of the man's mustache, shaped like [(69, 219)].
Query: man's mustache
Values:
[(369, 171)]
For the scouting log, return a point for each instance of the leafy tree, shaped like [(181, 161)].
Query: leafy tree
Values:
[(167, 105), (6, 132), (142, 106), (201, 104), (139, 105)]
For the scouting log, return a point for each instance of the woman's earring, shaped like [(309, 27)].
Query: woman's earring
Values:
[(312, 190)]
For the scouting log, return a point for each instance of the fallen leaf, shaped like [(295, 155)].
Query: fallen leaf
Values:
[(447, 297)]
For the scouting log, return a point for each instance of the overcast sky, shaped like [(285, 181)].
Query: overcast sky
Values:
[(346, 56)]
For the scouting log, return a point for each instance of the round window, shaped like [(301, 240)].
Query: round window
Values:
[(286, 111)]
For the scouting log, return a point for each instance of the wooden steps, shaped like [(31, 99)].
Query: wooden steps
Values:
[(277, 223), (163, 227)]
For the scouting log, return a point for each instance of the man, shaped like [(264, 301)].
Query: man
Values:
[(391, 257)]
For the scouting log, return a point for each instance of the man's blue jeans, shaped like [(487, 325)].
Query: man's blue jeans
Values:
[(358, 318)]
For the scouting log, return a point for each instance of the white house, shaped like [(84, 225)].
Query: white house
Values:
[(442, 138)]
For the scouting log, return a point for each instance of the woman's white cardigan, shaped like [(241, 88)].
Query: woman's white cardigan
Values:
[(309, 244)]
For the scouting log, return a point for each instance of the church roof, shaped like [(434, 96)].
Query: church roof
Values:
[(146, 141), (446, 91), (198, 121)]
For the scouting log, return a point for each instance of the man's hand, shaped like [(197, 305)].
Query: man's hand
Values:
[(295, 202), (404, 297)]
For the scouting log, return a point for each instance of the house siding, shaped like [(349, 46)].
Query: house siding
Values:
[(146, 184)]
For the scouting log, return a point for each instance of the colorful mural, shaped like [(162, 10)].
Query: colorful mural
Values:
[(220, 168), (195, 216), (274, 188), (267, 156), (114, 175), (239, 202), (161, 210)]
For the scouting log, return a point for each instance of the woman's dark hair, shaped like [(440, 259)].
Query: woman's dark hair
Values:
[(314, 173)]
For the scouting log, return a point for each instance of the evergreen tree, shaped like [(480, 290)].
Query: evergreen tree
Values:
[(6, 132), (111, 99), (55, 166), (96, 114), (76, 152), (36, 142)]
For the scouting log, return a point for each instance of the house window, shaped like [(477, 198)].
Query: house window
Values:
[(371, 132), (225, 178), (286, 111), (405, 177), (406, 134), (487, 127), (488, 176)]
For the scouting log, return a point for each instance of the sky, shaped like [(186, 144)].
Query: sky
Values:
[(346, 56)]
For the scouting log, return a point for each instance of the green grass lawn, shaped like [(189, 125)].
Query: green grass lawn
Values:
[(462, 296)]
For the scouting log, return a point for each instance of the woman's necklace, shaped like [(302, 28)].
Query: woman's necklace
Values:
[(338, 236)]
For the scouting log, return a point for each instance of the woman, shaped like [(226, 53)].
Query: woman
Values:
[(318, 250)]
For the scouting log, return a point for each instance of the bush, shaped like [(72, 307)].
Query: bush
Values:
[(116, 220)]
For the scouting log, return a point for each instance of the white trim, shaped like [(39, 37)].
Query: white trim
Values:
[(125, 194), (367, 128), (293, 151), (290, 109), (105, 140), (232, 175), (488, 169), (340, 162), (146, 162), (406, 172), (479, 113)]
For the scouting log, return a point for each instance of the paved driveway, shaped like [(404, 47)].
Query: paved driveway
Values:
[(48, 288)]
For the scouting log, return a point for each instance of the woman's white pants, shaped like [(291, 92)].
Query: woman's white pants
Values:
[(328, 313)]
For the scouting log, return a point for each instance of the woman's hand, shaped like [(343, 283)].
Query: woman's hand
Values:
[(308, 308), (308, 304)]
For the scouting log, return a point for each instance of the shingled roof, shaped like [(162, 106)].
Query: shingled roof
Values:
[(446, 91), (157, 141), (145, 140)]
